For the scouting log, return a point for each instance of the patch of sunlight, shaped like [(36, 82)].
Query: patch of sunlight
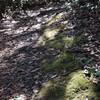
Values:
[(37, 26), (41, 41), (55, 19), (48, 34), (32, 13), (78, 87), (14, 22), (60, 41), (43, 91), (21, 30), (19, 97), (39, 19), (68, 41)]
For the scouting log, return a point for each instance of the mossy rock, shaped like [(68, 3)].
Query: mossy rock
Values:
[(71, 87), (78, 88)]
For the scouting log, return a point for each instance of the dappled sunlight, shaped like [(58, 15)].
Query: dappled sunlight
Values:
[(55, 18), (73, 86), (32, 13), (61, 41), (34, 27), (69, 41), (9, 23), (21, 30), (52, 28), (50, 34), (37, 56), (44, 46), (41, 41), (79, 87), (18, 97)]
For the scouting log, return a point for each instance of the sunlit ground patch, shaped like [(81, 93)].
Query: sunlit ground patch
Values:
[(55, 18), (19, 97), (51, 29), (48, 34)]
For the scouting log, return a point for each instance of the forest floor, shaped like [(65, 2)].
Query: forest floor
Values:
[(35, 63)]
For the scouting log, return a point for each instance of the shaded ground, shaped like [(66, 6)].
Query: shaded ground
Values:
[(23, 49), (35, 47)]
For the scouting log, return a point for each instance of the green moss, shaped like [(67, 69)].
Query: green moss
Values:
[(58, 44), (68, 41), (50, 33), (71, 87), (60, 41), (62, 61), (78, 87), (51, 90), (56, 92)]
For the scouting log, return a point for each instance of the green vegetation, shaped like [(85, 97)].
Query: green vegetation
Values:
[(55, 92), (54, 39), (78, 87), (60, 41), (61, 61), (72, 87)]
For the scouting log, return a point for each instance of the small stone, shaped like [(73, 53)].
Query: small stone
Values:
[(35, 91), (92, 52)]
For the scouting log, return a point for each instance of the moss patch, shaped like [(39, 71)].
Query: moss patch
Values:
[(72, 87), (50, 33), (78, 88), (56, 92), (61, 61), (60, 41)]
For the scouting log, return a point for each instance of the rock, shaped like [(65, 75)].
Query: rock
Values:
[(92, 52), (35, 91)]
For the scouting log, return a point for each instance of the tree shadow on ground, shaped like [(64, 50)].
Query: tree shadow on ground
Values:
[(20, 71), (28, 65)]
